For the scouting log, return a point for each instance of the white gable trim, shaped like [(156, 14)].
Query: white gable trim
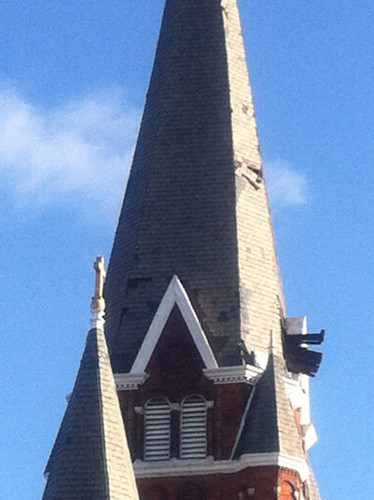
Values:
[(175, 294)]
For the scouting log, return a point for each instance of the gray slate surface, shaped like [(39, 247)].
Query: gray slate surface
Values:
[(90, 459), (270, 424), (184, 204)]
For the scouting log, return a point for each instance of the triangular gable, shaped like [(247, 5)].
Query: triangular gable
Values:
[(174, 295)]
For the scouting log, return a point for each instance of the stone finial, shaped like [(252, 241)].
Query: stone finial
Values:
[(98, 302)]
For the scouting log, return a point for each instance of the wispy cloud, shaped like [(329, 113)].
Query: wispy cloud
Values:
[(287, 187), (77, 154)]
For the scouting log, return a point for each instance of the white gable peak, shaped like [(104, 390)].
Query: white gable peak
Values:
[(174, 295)]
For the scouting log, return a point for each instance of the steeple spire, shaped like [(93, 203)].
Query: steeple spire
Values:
[(90, 457), (214, 405), (196, 203)]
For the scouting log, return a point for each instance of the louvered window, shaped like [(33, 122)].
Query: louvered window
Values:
[(157, 430), (193, 439)]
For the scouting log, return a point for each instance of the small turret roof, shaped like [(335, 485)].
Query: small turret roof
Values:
[(270, 424), (90, 458)]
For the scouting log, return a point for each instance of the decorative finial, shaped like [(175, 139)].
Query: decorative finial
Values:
[(98, 302)]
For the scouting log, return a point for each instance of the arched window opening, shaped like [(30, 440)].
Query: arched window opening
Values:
[(157, 430), (193, 433), (287, 491)]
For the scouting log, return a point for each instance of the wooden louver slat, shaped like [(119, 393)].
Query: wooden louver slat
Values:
[(157, 430), (193, 439)]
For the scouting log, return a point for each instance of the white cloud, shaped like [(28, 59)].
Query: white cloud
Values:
[(286, 186), (77, 154)]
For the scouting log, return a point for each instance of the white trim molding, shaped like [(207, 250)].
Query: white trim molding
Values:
[(294, 392), (233, 374), (97, 319), (310, 436), (129, 381), (174, 295), (281, 460), (175, 467), (247, 374)]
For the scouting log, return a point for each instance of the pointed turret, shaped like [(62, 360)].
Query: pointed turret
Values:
[(196, 203), (90, 458), (270, 425)]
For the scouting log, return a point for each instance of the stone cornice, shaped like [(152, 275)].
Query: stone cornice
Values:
[(234, 374), (129, 381), (247, 374), (175, 467)]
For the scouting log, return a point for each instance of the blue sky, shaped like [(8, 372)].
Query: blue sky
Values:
[(73, 76)]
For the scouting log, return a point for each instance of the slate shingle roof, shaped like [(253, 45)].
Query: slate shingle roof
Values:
[(196, 204), (90, 458), (270, 424), (313, 489)]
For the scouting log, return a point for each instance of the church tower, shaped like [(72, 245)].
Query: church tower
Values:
[(212, 377)]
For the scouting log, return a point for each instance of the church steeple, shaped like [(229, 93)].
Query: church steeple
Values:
[(90, 458), (212, 378), (196, 203)]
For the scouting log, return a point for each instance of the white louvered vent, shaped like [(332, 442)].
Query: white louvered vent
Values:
[(193, 428), (157, 430)]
